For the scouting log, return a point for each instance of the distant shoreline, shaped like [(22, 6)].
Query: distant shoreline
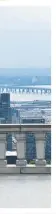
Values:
[(31, 72)]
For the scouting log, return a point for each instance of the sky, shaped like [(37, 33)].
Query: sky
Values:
[(25, 37)]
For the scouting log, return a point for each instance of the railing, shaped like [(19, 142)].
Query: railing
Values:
[(21, 166)]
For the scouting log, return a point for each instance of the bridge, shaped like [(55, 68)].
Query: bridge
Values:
[(25, 185), (42, 89)]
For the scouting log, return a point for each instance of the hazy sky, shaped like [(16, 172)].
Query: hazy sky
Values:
[(25, 37)]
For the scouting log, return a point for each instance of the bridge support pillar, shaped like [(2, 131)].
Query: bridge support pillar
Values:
[(3, 161), (21, 149), (40, 148)]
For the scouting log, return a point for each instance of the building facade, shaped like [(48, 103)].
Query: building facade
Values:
[(6, 115)]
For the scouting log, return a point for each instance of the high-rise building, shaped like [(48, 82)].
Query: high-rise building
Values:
[(5, 107), (6, 115), (15, 115)]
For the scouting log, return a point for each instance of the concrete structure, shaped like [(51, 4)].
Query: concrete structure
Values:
[(21, 148), (40, 148), (21, 166), (24, 191), (3, 150)]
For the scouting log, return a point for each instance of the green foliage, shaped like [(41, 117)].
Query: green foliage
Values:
[(32, 162), (48, 161)]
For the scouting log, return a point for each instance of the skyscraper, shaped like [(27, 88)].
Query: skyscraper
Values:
[(6, 115), (5, 107)]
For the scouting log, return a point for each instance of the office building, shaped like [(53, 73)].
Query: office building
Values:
[(6, 115)]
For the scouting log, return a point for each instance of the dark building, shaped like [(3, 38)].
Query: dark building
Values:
[(6, 115), (15, 115), (30, 142), (30, 139), (48, 147), (30, 147), (5, 107), (33, 120)]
